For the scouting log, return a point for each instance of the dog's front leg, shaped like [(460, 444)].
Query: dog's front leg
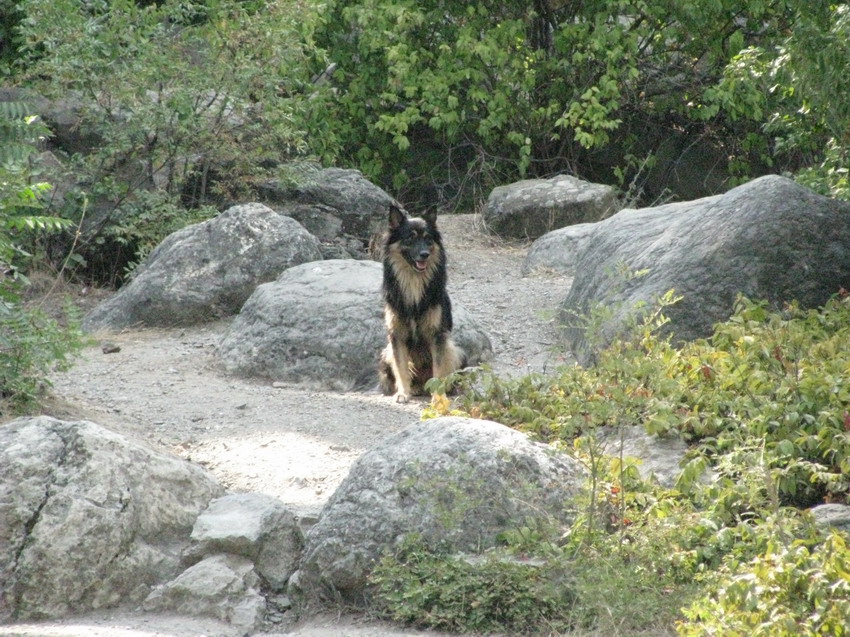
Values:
[(399, 356), (401, 369)]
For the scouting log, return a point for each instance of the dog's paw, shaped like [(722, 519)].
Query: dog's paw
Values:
[(401, 397)]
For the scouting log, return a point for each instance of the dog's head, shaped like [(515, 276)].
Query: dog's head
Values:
[(416, 239)]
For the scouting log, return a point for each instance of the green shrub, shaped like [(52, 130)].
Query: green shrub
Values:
[(789, 591), (628, 573), (485, 594), (792, 86), (31, 343), (773, 382), (765, 404)]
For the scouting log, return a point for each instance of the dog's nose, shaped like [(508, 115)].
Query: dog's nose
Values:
[(424, 254)]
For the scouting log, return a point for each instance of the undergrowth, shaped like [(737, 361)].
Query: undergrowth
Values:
[(31, 343), (730, 550)]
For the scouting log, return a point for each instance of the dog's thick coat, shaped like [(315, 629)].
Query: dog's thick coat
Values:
[(417, 310)]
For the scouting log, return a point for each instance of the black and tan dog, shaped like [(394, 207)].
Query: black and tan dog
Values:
[(417, 308)]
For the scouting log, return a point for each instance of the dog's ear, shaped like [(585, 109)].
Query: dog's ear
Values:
[(397, 216), (430, 216)]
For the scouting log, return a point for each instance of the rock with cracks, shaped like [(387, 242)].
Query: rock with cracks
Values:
[(769, 239), (223, 586), (457, 482), (322, 324), (89, 519), (530, 208), (207, 270)]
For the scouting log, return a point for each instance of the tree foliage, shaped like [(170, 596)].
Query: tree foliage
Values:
[(187, 103), (20, 202), (195, 99), (467, 96)]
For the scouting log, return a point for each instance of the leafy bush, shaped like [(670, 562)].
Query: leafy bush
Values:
[(31, 344), (792, 87), (771, 382), (789, 590), (630, 574), (19, 197), (493, 594)]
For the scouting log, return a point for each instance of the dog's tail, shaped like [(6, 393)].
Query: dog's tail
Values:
[(463, 357)]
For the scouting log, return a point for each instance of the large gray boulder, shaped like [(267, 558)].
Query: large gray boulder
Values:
[(530, 208), (769, 239), (207, 270), (456, 482), (339, 206), (89, 519), (322, 324)]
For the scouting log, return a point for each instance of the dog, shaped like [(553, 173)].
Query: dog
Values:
[(417, 309)]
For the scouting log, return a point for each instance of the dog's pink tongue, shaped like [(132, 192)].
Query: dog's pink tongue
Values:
[(421, 265)]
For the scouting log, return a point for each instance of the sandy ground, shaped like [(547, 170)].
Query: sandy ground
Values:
[(166, 387)]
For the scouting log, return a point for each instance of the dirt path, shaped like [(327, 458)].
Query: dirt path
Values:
[(167, 388)]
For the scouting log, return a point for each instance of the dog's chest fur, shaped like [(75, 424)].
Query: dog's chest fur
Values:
[(411, 285)]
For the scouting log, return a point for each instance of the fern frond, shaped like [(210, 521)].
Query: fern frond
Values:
[(15, 110), (37, 223), (13, 153), (20, 130)]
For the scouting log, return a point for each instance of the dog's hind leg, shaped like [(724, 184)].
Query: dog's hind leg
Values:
[(447, 356), (386, 378)]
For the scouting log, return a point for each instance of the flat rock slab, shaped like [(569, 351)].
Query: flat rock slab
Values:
[(660, 458), (833, 514), (224, 587), (253, 525)]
